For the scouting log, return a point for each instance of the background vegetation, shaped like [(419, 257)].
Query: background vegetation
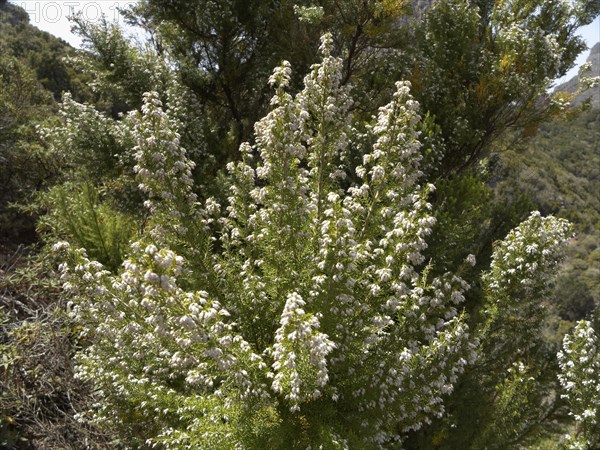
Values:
[(495, 144)]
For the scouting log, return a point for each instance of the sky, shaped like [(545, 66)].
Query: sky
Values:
[(591, 35), (52, 16)]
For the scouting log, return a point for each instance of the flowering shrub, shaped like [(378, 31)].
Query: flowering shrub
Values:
[(303, 313), (518, 277), (579, 362)]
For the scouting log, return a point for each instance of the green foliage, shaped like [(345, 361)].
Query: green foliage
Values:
[(120, 71), (470, 217), (559, 168), (477, 67), (574, 299), (90, 145), (481, 68), (94, 143), (323, 304), (38, 50), (580, 365), (226, 51), (25, 162), (78, 214), (32, 72), (559, 171), (304, 313), (503, 400), (513, 401), (39, 396)]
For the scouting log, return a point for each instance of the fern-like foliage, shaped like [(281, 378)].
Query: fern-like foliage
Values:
[(79, 215)]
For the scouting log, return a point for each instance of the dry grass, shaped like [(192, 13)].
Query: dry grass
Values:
[(39, 397)]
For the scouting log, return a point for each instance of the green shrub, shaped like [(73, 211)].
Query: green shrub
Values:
[(312, 318)]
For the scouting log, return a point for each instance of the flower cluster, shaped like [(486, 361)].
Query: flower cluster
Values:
[(349, 258), (522, 261), (523, 265), (150, 339), (316, 301), (579, 362), (162, 164), (298, 339), (91, 144)]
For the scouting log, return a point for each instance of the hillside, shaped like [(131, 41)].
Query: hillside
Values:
[(37, 49), (560, 171), (572, 85), (33, 76)]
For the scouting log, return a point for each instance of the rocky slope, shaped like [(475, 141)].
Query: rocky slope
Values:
[(573, 84)]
